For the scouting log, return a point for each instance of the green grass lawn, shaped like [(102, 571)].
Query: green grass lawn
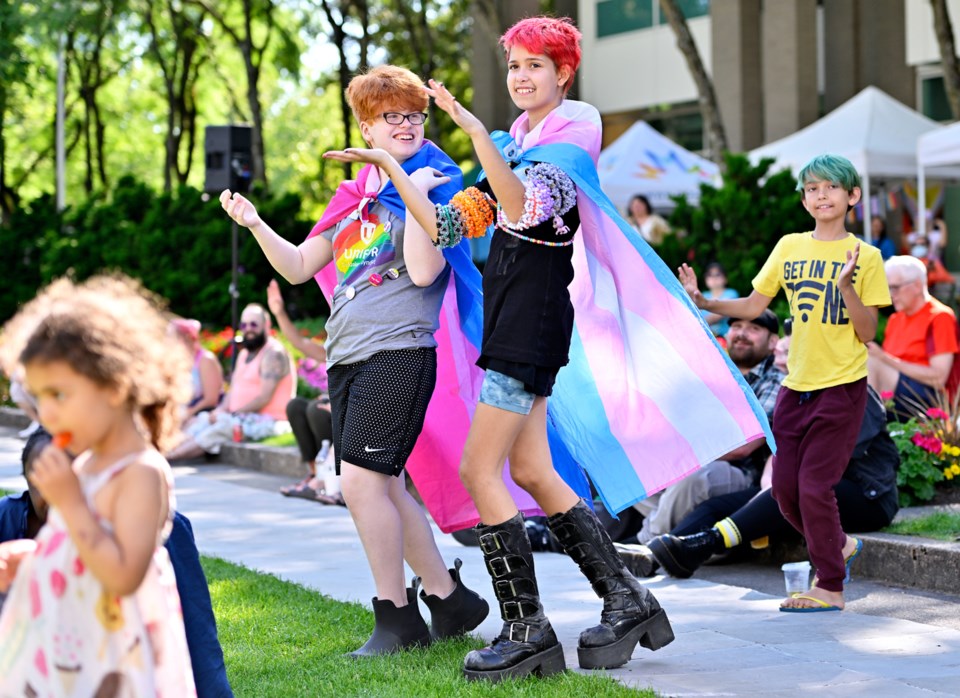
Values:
[(281, 440), (281, 639), (939, 526)]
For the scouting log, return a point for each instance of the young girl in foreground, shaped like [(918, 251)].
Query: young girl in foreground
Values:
[(528, 322), (93, 609)]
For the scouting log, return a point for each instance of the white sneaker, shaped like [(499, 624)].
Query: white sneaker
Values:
[(25, 433)]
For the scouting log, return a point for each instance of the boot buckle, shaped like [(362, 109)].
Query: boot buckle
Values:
[(514, 637), (490, 543), (499, 566), (514, 610), (505, 589)]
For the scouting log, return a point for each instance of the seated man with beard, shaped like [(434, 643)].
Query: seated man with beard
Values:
[(261, 384), (751, 347)]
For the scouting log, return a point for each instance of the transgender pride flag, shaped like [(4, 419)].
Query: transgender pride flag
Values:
[(434, 464), (648, 396)]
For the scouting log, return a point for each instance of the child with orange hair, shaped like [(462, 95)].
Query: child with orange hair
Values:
[(381, 353)]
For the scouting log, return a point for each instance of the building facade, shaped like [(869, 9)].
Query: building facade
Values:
[(776, 65)]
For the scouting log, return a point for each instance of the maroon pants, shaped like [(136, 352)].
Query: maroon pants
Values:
[(815, 434)]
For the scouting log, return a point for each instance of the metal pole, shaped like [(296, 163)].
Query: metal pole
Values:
[(234, 281), (234, 290)]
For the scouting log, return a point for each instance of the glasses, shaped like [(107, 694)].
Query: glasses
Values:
[(395, 118), (250, 325), (896, 287)]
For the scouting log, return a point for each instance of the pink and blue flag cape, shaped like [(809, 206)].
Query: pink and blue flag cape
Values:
[(435, 460), (648, 396)]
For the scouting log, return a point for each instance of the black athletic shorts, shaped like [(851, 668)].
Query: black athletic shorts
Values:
[(379, 405)]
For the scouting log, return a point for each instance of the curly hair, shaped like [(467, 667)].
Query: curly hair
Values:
[(385, 85), (557, 38), (112, 331)]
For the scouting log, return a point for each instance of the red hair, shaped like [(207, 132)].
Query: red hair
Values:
[(556, 38), (385, 85)]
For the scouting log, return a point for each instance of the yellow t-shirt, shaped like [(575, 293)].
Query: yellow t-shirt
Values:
[(825, 350)]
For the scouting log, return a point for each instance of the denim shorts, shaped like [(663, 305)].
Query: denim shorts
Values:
[(506, 393)]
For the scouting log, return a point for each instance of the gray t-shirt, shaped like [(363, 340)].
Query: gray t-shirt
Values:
[(376, 307)]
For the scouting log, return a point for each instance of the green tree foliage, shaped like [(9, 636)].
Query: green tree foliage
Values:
[(176, 243), (738, 223)]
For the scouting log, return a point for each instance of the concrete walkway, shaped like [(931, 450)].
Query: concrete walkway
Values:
[(730, 641)]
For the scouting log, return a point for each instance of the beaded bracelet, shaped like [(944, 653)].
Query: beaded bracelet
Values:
[(449, 227), (475, 211), (549, 193)]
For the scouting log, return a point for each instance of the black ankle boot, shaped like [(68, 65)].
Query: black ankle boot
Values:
[(395, 629), (681, 556), (526, 644), (459, 613), (630, 614)]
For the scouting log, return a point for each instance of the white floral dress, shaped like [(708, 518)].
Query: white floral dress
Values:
[(62, 634)]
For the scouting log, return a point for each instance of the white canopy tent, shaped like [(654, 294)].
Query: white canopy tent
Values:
[(644, 161), (874, 131), (938, 151)]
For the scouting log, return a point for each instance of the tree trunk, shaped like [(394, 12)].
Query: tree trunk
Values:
[(343, 72), (948, 54), (716, 135)]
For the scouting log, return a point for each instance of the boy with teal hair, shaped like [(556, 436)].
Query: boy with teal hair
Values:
[(834, 287)]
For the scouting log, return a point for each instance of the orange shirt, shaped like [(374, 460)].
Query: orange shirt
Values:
[(906, 336)]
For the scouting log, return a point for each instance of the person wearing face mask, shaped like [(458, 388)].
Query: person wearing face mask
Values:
[(254, 407)]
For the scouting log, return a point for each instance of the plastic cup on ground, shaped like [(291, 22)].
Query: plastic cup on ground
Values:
[(796, 576)]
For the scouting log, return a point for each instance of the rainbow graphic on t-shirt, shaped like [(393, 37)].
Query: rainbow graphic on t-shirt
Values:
[(362, 246)]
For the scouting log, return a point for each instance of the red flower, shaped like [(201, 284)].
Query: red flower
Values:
[(937, 413)]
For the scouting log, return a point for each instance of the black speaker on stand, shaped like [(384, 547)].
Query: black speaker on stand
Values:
[(228, 166)]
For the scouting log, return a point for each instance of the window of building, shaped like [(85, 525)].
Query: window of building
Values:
[(933, 97), (683, 124), (620, 16)]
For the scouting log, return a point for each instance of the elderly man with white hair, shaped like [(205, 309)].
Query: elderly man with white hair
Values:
[(919, 344)]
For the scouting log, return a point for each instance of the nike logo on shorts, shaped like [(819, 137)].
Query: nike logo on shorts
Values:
[(373, 450)]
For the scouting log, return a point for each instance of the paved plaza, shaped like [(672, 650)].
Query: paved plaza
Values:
[(731, 641)]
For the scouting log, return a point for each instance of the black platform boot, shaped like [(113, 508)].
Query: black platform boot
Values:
[(681, 556), (526, 644), (459, 613), (630, 614), (395, 629)]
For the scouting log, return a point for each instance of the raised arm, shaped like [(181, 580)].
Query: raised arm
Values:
[(305, 346), (746, 308), (863, 318), (507, 187), (295, 263)]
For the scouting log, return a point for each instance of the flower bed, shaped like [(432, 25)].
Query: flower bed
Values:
[(929, 446)]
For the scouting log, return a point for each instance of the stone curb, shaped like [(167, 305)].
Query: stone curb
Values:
[(906, 561), (903, 561), (279, 460)]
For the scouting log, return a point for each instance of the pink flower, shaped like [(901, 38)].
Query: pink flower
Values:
[(886, 395), (937, 413)]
